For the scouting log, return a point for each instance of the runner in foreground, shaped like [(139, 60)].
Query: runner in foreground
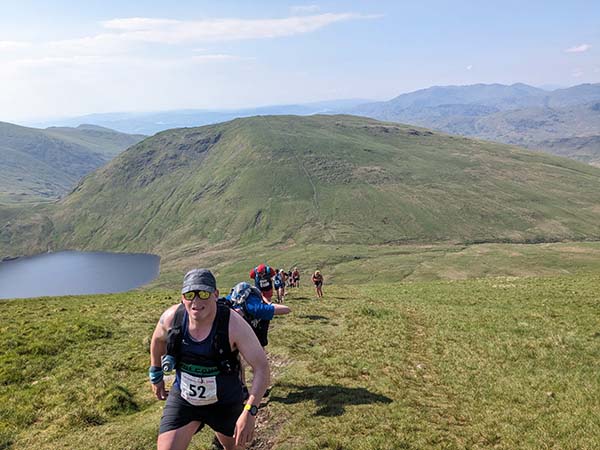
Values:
[(207, 388)]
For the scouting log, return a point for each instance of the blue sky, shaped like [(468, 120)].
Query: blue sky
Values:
[(65, 58)]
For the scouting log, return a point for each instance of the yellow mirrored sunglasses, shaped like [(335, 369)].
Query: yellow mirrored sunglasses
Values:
[(191, 295)]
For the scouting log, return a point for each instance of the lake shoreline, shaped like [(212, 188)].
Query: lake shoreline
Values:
[(69, 272)]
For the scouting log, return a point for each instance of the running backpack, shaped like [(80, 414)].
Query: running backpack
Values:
[(240, 293), (257, 278), (228, 361)]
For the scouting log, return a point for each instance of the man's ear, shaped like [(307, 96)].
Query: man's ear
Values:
[(217, 293)]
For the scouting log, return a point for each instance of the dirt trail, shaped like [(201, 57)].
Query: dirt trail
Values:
[(267, 425)]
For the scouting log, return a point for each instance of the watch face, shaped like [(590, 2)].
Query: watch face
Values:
[(253, 410)]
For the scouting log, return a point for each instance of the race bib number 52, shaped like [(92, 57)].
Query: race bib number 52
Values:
[(198, 391)]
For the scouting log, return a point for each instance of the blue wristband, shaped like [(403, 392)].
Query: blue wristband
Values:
[(155, 374)]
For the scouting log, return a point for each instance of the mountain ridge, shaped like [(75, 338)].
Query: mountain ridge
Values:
[(517, 114), (43, 164), (478, 110), (319, 179)]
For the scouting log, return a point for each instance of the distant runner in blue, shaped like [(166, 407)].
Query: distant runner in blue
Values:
[(279, 285)]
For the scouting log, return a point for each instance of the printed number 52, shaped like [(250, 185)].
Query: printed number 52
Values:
[(197, 393)]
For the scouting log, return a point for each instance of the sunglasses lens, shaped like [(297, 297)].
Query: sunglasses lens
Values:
[(202, 295)]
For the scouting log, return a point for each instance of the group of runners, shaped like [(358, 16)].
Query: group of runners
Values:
[(268, 279), (209, 340)]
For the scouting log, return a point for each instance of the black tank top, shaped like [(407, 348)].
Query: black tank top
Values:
[(198, 369)]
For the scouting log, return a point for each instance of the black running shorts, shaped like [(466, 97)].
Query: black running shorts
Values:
[(178, 413), (262, 332)]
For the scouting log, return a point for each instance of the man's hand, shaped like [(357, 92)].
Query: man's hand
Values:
[(159, 390), (244, 429)]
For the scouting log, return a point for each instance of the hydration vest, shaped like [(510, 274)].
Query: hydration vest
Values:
[(228, 361)]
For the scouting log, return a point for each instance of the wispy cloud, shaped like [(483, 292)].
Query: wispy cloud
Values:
[(130, 36), (577, 73), (579, 48), (123, 61), (470, 66), (304, 9), (217, 57), (148, 62), (134, 37), (13, 45), (169, 31), (138, 23)]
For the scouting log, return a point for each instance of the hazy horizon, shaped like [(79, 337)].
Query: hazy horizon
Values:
[(65, 59), (35, 121)]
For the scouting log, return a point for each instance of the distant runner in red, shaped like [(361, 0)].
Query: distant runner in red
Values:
[(263, 279), (296, 277)]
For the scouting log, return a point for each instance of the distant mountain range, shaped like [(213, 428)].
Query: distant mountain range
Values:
[(558, 121), (324, 179), (153, 122), (561, 121), (40, 164)]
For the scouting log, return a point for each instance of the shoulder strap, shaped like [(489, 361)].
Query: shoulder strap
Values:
[(228, 360), (179, 315), (175, 333)]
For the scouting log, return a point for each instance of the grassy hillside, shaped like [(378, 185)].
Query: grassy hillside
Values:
[(109, 143), (320, 179), (329, 179), (24, 229), (504, 363), (45, 164)]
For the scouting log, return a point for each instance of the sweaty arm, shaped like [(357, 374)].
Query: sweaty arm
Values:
[(158, 347), (243, 338), (281, 309)]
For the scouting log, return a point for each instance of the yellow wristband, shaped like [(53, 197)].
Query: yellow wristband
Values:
[(252, 409)]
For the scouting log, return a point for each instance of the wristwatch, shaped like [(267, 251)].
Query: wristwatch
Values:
[(252, 408)]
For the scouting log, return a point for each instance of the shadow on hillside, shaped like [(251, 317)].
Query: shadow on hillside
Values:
[(304, 298), (331, 400), (314, 317)]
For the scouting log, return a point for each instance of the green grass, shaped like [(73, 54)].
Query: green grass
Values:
[(500, 362), (405, 351), (361, 264)]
